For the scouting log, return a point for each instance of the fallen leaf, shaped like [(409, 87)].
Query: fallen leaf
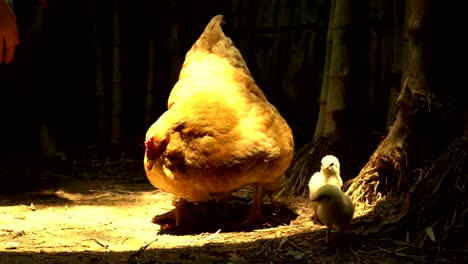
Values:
[(12, 245), (430, 233)]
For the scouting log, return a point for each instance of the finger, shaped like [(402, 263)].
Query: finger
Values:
[(10, 52), (1, 50), (10, 46)]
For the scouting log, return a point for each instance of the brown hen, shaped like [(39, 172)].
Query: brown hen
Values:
[(219, 133)]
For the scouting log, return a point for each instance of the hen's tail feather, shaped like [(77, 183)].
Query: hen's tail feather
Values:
[(211, 35), (214, 41)]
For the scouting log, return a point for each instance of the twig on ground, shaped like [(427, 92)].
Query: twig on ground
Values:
[(276, 228), (123, 241), (222, 250), (133, 259), (99, 243), (354, 253), (395, 252)]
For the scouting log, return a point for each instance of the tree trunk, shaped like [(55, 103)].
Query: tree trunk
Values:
[(339, 69), (149, 84), (116, 77), (384, 173), (100, 91), (320, 127)]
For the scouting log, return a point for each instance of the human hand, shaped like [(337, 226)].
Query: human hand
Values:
[(9, 37)]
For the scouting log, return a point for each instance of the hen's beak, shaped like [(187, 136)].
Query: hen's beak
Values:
[(154, 149), (149, 153), (149, 163)]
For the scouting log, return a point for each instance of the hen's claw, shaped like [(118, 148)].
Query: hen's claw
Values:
[(255, 216), (174, 217), (165, 218)]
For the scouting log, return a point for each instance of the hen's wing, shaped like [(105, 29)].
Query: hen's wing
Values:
[(214, 135)]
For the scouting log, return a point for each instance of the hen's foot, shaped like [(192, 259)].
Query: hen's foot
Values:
[(175, 200), (254, 218), (176, 217), (277, 208), (166, 218)]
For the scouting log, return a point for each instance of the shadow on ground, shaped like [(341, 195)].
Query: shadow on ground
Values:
[(211, 217)]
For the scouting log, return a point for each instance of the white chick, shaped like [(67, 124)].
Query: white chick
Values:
[(329, 174), (335, 208)]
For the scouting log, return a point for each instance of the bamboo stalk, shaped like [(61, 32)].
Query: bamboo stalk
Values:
[(320, 127), (176, 57), (339, 66), (149, 84), (99, 82), (47, 140), (116, 77), (466, 122)]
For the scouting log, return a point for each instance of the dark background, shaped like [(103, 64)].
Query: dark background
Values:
[(52, 78)]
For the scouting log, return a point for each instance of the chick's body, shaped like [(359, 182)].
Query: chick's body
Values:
[(329, 174), (219, 133), (335, 208)]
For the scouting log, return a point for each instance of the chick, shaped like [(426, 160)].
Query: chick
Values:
[(335, 208), (329, 174)]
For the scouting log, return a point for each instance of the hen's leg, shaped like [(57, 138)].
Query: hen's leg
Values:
[(172, 216), (175, 200), (179, 211), (272, 201), (255, 215), (221, 197)]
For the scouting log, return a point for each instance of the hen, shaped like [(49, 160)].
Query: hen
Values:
[(219, 133), (335, 208), (329, 174)]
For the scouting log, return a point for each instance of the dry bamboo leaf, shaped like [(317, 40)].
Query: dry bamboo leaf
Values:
[(212, 235), (281, 243), (430, 233)]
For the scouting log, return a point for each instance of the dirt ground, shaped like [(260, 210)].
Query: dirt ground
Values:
[(91, 209)]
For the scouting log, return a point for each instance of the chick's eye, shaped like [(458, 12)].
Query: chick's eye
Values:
[(332, 164)]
